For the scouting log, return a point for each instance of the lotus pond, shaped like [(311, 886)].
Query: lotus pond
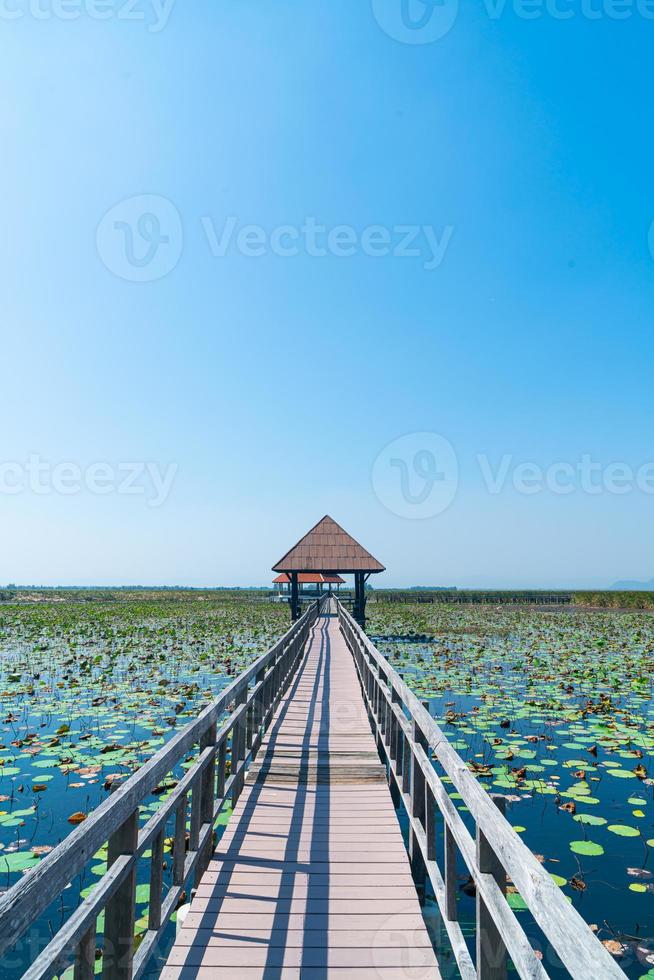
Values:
[(89, 691), (553, 710)]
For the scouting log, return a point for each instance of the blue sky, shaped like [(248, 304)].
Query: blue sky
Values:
[(267, 385)]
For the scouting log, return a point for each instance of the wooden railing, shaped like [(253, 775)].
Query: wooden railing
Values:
[(409, 739), (215, 777)]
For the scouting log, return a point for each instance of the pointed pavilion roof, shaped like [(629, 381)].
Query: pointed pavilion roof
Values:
[(328, 548)]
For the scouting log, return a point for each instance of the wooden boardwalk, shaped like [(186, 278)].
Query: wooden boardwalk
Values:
[(311, 880)]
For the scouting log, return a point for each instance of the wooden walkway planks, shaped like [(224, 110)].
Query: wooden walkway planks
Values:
[(311, 879)]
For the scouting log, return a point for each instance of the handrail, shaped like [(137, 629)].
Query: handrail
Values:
[(215, 776), (408, 738)]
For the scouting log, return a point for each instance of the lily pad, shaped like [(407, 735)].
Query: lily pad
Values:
[(586, 847), (623, 830)]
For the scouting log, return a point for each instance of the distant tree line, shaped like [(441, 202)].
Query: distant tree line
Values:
[(615, 600)]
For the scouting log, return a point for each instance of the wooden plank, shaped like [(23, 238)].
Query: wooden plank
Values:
[(294, 973), (304, 938), (341, 957)]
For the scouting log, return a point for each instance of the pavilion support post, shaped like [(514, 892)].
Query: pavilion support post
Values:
[(295, 601), (359, 611)]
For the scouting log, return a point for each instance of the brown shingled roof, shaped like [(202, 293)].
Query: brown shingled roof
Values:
[(328, 548)]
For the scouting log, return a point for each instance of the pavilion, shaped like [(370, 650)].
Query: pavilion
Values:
[(329, 550)]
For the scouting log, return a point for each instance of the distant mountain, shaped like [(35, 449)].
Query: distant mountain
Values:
[(629, 586)]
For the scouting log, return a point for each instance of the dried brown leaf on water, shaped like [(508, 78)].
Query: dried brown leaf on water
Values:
[(478, 768), (78, 817), (614, 947)]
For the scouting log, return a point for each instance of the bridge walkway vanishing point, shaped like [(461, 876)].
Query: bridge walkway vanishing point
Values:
[(311, 878)]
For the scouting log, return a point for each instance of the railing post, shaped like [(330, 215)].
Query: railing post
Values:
[(491, 951), (179, 842), (379, 715), (430, 822), (156, 881), (418, 812), (249, 725), (222, 759), (85, 957), (259, 709), (395, 751), (207, 790), (407, 763), (451, 913), (238, 749), (119, 913)]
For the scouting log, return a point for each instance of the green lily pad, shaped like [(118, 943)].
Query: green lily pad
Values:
[(17, 861), (516, 902), (623, 830), (586, 847)]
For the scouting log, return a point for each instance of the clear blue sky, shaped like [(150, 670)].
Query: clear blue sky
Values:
[(273, 382)]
